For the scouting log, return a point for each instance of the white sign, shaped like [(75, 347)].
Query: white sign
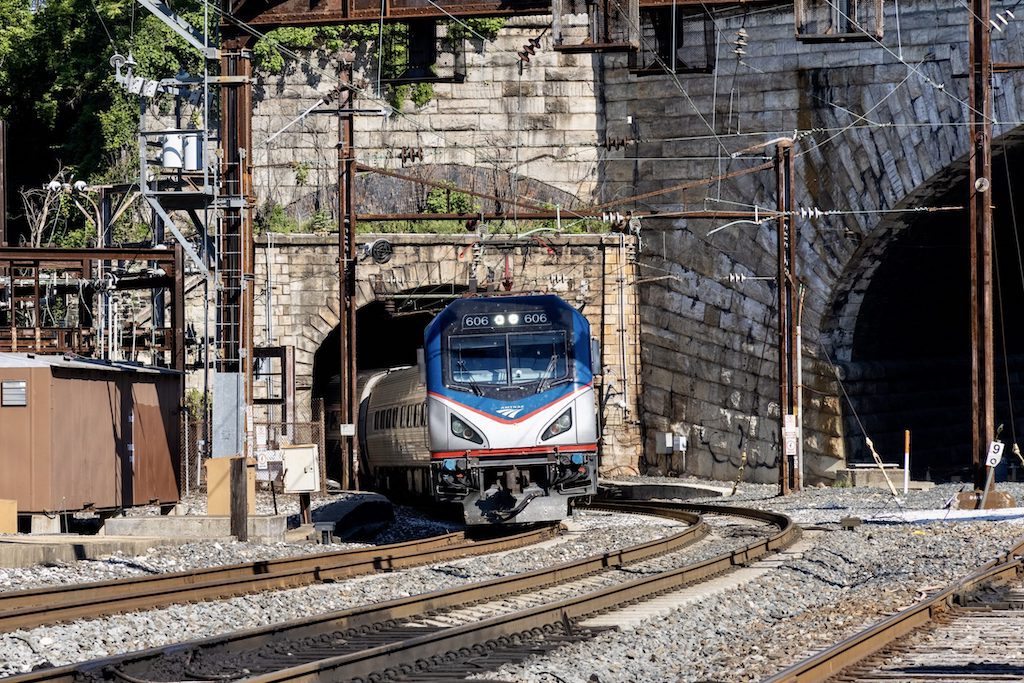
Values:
[(346, 429), (789, 421), (995, 453), (266, 456)]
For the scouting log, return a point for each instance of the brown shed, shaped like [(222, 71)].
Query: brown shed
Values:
[(78, 433)]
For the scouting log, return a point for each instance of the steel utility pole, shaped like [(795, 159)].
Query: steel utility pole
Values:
[(982, 374), (347, 275), (787, 302)]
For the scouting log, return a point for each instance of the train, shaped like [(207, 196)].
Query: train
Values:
[(499, 416)]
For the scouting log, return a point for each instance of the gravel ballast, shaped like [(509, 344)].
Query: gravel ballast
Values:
[(847, 579), (592, 532)]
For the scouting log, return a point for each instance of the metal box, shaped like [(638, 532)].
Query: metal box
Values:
[(79, 434), (301, 468)]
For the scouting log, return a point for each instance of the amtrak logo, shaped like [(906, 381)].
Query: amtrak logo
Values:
[(510, 412)]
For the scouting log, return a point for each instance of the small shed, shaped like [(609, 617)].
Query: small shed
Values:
[(84, 434)]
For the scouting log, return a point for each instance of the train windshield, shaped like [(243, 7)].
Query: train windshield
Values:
[(492, 363)]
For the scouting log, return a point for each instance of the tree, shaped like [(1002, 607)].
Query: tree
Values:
[(57, 88)]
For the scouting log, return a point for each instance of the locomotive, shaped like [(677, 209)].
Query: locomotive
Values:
[(499, 417)]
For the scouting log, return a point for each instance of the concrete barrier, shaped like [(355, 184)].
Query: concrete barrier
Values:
[(262, 528)]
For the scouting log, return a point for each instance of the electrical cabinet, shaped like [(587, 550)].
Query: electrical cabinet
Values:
[(301, 468)]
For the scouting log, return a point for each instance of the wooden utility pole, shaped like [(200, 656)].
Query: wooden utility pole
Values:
[(982, 373), (787, 302), (347, 276)]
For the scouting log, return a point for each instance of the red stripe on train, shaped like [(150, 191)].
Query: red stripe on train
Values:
[(518, 419), (530, 450)]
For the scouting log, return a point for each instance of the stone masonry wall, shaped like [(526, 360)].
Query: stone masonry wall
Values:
[(539, 123), (874, 135)]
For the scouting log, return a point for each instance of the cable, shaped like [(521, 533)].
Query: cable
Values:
[(324, 73), (459, 21), (104, 24), (941, 87), (844, 130), (671, 72)]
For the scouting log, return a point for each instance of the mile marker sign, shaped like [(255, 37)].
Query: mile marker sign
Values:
[(995, 453)]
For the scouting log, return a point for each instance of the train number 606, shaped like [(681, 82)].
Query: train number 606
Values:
[(535, 318), (477, 321)]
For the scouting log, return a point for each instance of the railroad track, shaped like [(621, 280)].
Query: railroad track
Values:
[(943, 637), (441, 633), (52, 604)]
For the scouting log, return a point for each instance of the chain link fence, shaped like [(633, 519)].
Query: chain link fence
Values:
[(194, 437), (270, 433)]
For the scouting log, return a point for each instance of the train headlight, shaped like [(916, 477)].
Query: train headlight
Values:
[(499, 319), (559, 426), (513, 318), (464, 430)]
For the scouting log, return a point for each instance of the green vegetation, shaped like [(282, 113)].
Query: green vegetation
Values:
[(193, 403), (449, 200), (488, 28), (272, 217), (422, 93), (65, 110), (57, 88), (301, 172), (267, 52)]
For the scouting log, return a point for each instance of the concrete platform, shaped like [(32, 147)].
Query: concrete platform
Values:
[(262, 528), (357, 515), (872, 477), (25, 550), (684, 490)]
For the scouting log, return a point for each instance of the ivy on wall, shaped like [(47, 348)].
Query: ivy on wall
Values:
[(268, 57)]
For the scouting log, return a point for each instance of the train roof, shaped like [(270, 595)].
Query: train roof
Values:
[(499, 303)]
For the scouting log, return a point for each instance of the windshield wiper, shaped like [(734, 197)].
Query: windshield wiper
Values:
[(548, 372), (472, 382)]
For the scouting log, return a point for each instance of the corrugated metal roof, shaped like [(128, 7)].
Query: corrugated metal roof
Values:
[(38, 360)]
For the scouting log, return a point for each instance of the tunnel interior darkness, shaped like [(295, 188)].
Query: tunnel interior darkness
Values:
[(911, 353), (383, 340)]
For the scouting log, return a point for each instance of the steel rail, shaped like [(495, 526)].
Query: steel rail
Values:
[(357, 665), (860, 646), (417, 605), (50, 604)]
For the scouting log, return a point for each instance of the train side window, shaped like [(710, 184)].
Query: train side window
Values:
[(376, 419), (405, 416)]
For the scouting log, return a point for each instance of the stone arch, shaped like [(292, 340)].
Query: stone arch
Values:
[(897, 325)]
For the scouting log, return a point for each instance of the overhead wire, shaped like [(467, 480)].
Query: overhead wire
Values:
[(940, 87), (328, 75), (1020, 270), (104, 24), (675, 77), (842, 131), (458, 21)]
